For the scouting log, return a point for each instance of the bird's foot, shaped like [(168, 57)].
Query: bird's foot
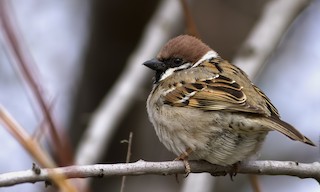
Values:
[(184, 157), (234, 170)]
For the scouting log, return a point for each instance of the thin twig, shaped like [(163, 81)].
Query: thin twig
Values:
[(41, 129), (24, 62), (254, 180), (301, 170), (127, 160), (191, 25), (34, 150)]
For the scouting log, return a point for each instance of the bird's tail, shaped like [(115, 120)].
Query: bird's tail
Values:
[(277, 124)]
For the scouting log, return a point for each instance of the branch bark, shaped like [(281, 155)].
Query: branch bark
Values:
[(290, 168)]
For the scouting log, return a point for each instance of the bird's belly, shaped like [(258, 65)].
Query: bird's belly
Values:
[(216, 137), (228, 147)]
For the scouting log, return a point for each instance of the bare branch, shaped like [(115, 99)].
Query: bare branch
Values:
[(24, 62), (34, 149), (191, 25), (301, 170), (254, 181), (277, 16), (127, 160)]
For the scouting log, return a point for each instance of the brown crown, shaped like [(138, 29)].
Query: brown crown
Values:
[(185, 47)]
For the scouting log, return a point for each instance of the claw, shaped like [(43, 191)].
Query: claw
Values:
[(184, 157), (234, 170), (187, 168)]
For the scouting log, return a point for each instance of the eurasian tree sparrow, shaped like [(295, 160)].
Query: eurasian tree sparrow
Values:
[(204, 108)]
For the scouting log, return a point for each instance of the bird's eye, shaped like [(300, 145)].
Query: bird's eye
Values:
[(177, 61)]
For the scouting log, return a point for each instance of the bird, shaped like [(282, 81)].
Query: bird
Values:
[(204, 108)]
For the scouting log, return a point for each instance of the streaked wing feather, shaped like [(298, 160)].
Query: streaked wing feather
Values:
[(271, 107), (215, 93)]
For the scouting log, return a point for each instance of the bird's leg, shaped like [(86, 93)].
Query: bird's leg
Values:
[(184, 157), (234, 169)]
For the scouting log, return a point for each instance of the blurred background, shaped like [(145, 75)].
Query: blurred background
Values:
[(78, 49)]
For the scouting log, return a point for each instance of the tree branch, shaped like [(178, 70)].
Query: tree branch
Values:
[(190, 24), (290, 168), (25, 63), (277, 16), (34, 149)]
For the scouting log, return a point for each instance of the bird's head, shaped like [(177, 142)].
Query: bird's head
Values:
[(179, 53)]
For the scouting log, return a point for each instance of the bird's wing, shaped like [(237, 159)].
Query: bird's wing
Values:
[(214, 93), (224, 87)]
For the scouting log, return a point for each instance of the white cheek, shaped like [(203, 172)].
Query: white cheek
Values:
[(167, 73), (209, 55), (170, 71)]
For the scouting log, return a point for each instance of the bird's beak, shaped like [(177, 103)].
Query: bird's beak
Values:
[(155, 64)]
